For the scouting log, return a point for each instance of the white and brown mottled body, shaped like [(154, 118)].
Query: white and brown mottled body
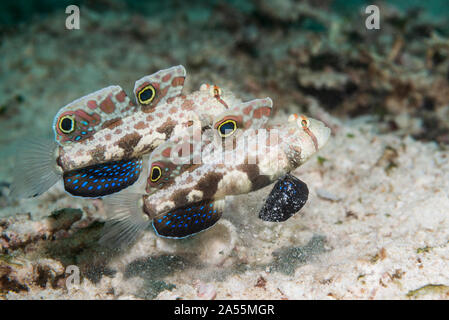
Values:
[(256, 159), (144, 129), (102, 137), (184, 198)]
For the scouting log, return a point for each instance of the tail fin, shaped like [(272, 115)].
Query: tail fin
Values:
[(126, 219), (35, 168)]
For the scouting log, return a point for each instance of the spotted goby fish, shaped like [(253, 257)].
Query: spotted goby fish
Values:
[(184, 199), (101, 138)]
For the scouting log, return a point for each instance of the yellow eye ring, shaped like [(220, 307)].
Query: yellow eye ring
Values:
[(66, 124), (146, 95), (156, 173), (223, 133)]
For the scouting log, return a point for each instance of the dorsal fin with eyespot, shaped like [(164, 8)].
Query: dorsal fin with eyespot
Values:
[(85, 116), (253, 114), (160, 87)]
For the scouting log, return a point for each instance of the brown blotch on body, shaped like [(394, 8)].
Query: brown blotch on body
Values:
[(140, 125), (166, 77), (177, 81), (111, 124), (92, 104), (107, 106), (248, 109), (129, 142), (183, 147), (166, 152), (120, 96), (263, 111), (257, 180), (209, 184), (191, 168), (98, 154), (180, 197), (187, 105), (167, 127)]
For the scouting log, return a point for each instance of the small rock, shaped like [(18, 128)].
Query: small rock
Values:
[(205, 291), (324, 194)]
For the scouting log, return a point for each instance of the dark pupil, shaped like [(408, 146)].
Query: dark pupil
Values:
[(66, 124), (155, 174), (227, 127), (146, 94)]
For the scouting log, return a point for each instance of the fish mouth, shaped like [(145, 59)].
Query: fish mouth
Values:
[(325, 135)]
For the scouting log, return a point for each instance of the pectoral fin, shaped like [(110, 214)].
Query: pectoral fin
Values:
[(288, 196), (188, 220), (35, 168), (126, 220)]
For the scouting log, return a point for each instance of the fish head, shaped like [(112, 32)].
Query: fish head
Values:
[(304, 137)]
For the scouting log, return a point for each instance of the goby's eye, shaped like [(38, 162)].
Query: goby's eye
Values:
[(146, 95), (215, 91), (305, 123), (66, 124), (227, 128), (156, 173)]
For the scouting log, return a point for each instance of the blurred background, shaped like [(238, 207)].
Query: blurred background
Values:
[(297, 52)]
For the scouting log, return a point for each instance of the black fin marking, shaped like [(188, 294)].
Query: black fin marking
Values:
[(288, 196), (188, 220), (102, 179)]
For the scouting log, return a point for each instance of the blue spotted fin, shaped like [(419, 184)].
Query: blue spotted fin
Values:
[(82, 118), (189, 220), (159, 87), (126, 220), (102, 179), (288, 196), (35, 168)]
